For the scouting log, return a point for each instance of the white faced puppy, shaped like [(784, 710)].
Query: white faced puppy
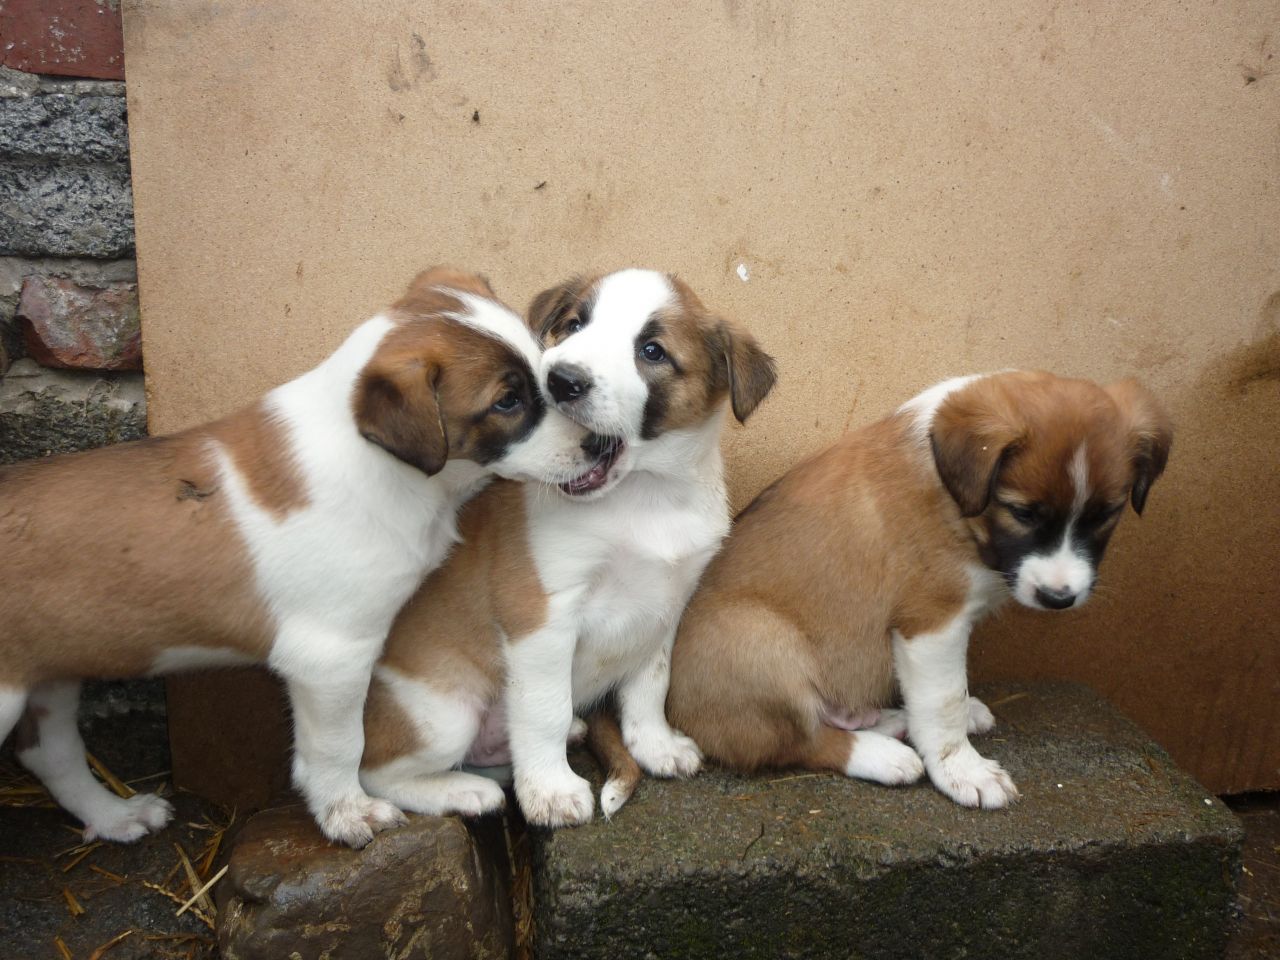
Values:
[(289, 533), (874, 559), (555, 599)]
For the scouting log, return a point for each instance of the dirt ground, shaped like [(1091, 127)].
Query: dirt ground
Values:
[(1257, 931)]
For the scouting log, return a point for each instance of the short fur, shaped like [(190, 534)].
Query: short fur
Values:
[(280, 534), (871, 561), (553, 602)]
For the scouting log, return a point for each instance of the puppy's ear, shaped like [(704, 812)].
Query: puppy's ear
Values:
[(750, 371), (973, 434), (1150, 436), (450, 278), (553, 304), (399, 410)]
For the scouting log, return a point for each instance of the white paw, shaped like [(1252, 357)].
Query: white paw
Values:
[(128, 820), (981, 719), (475, 799), (972, 780), (664, 752), (883, 759), (354, 821), (577, 731), (563, 800), (892, 723), (613, 795)]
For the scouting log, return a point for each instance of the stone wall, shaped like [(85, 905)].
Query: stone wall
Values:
[(70, 342)]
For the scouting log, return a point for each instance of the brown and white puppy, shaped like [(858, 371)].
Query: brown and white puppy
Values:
[(289, 533), (872, 561), (554, 600)]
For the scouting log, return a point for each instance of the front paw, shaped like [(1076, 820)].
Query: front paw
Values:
[(664, 752), (353, 821), (564, 800), (972, 780)]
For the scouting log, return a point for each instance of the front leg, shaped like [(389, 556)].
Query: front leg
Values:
[(642, 700), (539, 718), (931, 672), (328, 680)]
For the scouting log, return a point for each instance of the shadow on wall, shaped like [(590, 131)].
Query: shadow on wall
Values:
[(1189, 620)]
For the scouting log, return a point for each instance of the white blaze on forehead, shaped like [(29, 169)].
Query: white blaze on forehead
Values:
[(1079, 471), (629, 298), (492, 318)]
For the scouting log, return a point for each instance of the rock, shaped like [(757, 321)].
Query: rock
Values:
[(48, 207), (86, 328), (58, 411), (88, 128), (436, 888), (1112, 852)]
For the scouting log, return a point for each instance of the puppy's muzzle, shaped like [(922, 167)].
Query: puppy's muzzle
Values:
[(1054, 599)]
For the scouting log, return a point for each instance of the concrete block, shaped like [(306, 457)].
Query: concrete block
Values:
[(1111, 852)]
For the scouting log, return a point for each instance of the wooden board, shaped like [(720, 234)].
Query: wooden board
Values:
[(887, 193)]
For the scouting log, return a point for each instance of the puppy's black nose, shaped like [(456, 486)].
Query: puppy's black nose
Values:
[(568, 382), (1054, 599)]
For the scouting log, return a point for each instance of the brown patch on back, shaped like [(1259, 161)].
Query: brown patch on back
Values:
[(450, 633), (259, 446)]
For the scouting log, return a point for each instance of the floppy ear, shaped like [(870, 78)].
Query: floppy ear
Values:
[(751, 372), (971, 438), (550, 306), (400, 412), (1150, 436)]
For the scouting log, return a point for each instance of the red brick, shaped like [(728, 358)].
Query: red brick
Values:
[(81, 328), (70, 38)]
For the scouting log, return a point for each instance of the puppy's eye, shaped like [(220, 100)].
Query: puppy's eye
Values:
[(573, 326), (1023, 514), (653, 352), (509, 402)]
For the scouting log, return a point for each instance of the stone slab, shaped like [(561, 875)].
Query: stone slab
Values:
[(78, 327), (53, 208), (64, 125), (1112, 852), (436, 888), (59, 411)]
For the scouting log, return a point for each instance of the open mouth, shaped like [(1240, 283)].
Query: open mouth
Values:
[(610, 450)]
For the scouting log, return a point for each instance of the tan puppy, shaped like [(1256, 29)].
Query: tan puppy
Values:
[(289, 533), (871, 562)]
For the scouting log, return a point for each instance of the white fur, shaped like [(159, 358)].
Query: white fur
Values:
[(883, 759), (179, 659), (925, 405), (932, 674)]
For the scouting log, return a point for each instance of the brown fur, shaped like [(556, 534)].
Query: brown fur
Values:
[(874, 535), (448, 629), (604, 739)]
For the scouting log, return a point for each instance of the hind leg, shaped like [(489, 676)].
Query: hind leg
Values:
[(51, 748), (424, 781), (12, 700), (865, 754)]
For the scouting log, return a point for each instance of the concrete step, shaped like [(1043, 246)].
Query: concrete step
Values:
[(1112, 852)]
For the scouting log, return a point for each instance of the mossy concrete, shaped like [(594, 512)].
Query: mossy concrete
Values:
[(1111, 852)]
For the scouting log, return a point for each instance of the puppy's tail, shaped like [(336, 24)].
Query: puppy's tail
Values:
[(623, 774)]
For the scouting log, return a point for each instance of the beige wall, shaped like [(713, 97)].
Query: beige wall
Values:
[(915, 190)]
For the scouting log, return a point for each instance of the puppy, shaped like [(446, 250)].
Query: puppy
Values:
[(872, 561), (289, 533), (555, 599)]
